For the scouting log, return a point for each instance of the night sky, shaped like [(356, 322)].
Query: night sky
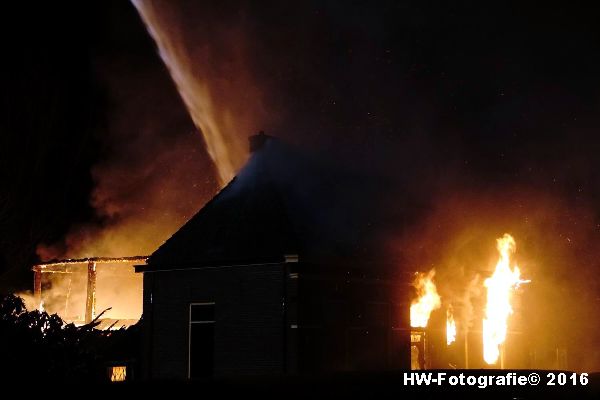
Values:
[(437, 100)]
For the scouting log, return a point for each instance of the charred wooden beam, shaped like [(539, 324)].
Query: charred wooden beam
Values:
[(90, 304), (98, 260), (37, 286)]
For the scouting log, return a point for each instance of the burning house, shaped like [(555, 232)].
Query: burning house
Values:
[(247, 286), (278, 275), (256, 284)]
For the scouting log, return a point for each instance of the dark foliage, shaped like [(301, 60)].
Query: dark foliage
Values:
[(41, 347)]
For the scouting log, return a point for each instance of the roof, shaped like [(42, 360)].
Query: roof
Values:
[(281, 203), (246, 222)]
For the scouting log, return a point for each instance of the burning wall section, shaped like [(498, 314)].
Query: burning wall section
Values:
[(80, 290), (495, 314)]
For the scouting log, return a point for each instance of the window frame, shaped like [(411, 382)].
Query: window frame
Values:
[(190, 323)]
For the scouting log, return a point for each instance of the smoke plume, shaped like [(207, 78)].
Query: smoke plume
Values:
[(208, 63)]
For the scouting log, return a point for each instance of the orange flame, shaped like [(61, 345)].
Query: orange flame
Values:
[(500, 287), (450, 326), (427, 301)]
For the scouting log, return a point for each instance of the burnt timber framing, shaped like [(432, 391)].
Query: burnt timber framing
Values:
[(65, 267)]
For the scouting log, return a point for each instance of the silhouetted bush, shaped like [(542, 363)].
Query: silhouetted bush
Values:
[(36, 346)]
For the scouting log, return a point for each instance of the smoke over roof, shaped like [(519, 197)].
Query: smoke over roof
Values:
[(283, 201)]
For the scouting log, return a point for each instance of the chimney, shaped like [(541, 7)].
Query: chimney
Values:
[(257, 141)]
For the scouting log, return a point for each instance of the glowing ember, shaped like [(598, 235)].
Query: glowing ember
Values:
[(427, 301), (118, 374), (450, 326), (500, 287)]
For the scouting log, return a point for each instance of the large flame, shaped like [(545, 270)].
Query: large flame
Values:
[(500, 287), (450, 326), (428, 300)]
